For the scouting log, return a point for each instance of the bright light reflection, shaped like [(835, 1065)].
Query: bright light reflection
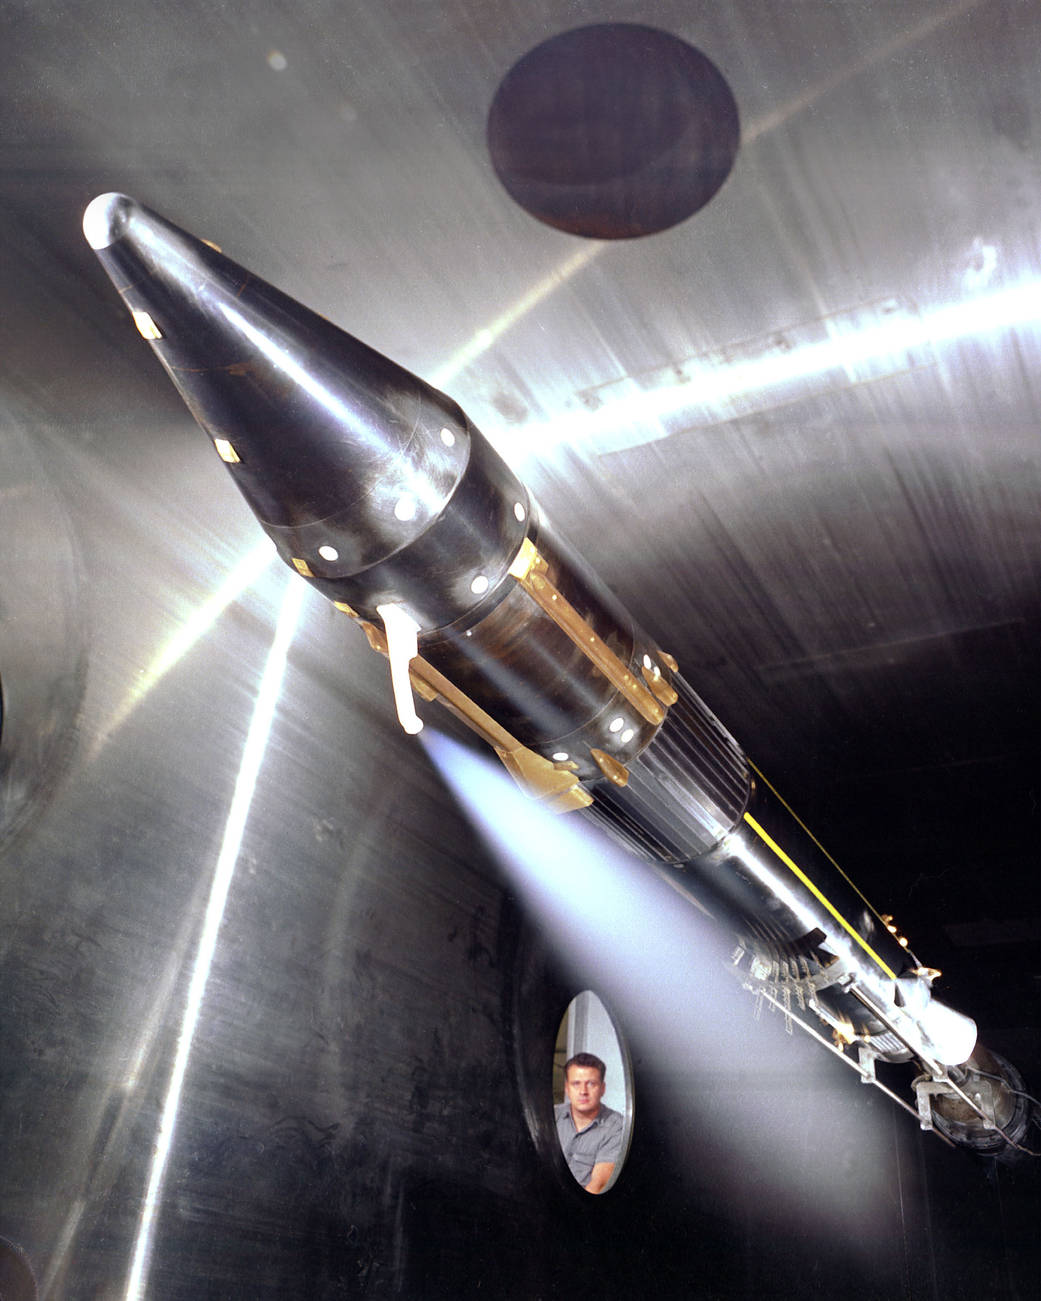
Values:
[(283, 361), (755, 1098), (194, 628), (488, 335), (844, 73), (365, 434), (245, 785), (715, 383), (772, 881)]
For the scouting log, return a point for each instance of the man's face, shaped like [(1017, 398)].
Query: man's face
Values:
[(584, 1089)]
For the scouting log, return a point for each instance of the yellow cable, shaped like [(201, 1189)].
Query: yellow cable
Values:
[(789, 863), (805, 828)]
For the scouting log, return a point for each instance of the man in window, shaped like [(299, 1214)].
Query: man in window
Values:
[(590, 1134)]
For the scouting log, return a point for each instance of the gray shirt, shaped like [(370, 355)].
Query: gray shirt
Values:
[(584, 1148)]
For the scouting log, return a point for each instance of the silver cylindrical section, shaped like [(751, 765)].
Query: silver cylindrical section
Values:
[(686, 790)]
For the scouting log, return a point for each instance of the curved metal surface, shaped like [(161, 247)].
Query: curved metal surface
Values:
[(44, 635), (842, 554)]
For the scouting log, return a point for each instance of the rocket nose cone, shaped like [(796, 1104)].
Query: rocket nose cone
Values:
[(106, 218)]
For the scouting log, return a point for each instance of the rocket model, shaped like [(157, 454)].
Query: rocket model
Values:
[(379, 491)]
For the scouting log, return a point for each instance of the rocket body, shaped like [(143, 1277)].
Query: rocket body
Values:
[(379, 491)]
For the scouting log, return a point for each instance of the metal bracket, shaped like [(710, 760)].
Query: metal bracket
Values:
[(557, 789), (982, 1102), (866, 1058), (530, 570)]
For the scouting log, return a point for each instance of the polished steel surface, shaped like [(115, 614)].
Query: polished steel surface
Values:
[(840, 544)]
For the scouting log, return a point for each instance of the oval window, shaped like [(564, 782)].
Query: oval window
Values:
[(592, 1093)]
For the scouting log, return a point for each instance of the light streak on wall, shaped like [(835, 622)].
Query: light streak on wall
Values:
[(630, 414), (245, 786), (488, 335), (187, 635), (846, 72)]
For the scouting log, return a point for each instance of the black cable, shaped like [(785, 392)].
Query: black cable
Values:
[(1018, 1092)]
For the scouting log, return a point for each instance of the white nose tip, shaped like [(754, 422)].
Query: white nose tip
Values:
[(106, 218)]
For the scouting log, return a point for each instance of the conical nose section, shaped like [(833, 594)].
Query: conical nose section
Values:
[(314, 425), (373, 486)]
